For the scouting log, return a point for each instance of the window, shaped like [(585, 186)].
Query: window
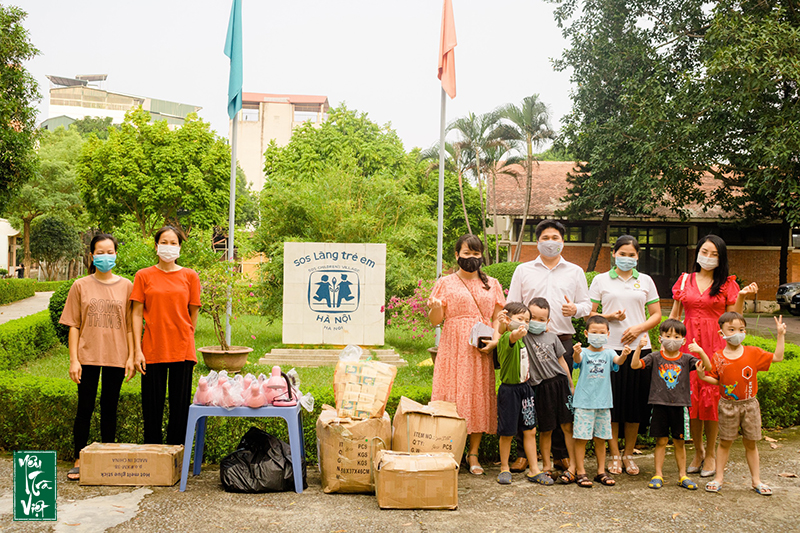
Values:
[(249, 112)]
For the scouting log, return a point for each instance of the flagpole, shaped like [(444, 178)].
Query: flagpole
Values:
[(231, 219), (440, 229)]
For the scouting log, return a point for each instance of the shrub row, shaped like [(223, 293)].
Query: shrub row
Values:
[(25, 339), (12, 290), (47, 286)]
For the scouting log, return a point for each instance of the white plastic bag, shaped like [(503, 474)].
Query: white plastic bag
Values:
[(351, 352)]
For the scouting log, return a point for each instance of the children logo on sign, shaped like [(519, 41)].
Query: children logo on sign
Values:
[(334, 291)]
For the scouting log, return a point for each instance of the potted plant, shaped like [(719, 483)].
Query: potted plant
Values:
[(216, 280)]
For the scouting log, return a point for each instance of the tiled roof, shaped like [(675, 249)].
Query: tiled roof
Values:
[(550, 186)]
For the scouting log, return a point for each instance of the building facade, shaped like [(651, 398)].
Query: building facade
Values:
[(668, 243), (271, 117)]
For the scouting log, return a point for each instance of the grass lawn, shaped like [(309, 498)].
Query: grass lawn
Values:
[(255, 331)]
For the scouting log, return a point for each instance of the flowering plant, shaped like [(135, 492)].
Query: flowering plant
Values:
[(412, 312)]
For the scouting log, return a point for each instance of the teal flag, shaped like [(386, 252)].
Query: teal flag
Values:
[(233, 49)]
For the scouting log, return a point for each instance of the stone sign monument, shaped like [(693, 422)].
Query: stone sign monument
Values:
[(333, 293)]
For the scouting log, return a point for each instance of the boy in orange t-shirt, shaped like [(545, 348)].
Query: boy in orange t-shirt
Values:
[(735, 370)]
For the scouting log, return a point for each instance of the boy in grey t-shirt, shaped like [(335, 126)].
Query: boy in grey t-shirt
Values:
[(552, 386), (669, 394)]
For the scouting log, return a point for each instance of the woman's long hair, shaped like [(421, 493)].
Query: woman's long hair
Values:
[(475, 244)]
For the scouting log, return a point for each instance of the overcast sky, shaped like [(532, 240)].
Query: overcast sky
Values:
[(378, 56)]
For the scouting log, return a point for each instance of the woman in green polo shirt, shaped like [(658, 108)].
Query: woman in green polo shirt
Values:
[(624, 293)]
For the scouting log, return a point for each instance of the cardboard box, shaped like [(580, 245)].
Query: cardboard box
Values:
[(346, 449), (361, 388), (416, 481), (431, 428), (131, 464)]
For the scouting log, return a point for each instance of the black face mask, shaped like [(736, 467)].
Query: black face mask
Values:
[(470, 264)]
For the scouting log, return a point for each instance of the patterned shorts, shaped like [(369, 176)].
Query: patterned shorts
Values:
[(592, 423), (515, 409), (744, 414)]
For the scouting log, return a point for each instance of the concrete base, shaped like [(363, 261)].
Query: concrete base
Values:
[(288, 357)]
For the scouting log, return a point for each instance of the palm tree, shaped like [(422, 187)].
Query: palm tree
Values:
[(497, 161), (458, 159), (529, 126), (474, 131)]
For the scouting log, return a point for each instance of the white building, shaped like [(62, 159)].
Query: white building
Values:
[(8, 246)]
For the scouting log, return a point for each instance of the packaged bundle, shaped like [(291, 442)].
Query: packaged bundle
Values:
[(361, 388)]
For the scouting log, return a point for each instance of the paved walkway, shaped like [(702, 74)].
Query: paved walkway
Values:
[(28, 306)]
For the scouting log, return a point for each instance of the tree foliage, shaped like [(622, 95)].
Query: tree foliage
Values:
[(17, 112), (97, 126), (53, 242), (53, 188), (156, 175)]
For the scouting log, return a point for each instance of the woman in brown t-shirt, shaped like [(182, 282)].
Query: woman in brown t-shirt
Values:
[(100, 341), (167, 296)]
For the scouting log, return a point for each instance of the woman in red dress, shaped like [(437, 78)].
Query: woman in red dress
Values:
[(703, 296), (463, 374)]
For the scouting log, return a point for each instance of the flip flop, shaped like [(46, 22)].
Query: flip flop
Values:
[(615, 465), (713, 486), (656, 482), (75, 471), (566, 478), (605, 479), (687, 483), (541, 478), (763, 489), (504, 478), (584, 481)]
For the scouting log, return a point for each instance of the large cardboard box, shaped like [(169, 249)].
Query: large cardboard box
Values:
[(131, 464), (347, 448), (416, 481), (431, 428), (361, 388)]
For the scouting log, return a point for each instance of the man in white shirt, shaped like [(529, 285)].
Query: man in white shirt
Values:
[(563, 285)]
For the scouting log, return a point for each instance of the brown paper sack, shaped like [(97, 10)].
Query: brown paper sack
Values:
[(346, 449), (361, 388), (416, 481), (431, 428)]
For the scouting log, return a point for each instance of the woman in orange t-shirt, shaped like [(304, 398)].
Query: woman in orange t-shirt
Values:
[(167, 296)]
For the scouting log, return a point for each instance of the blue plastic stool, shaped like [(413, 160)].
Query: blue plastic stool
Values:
[(197, 419)]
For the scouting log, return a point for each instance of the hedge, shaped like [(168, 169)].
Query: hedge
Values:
[(47, 286), (13, 290), (25, 339), (56, 307), (502, 272)]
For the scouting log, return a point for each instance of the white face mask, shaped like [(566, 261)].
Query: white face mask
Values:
[(550, 248), (168, 253), (736, 339), (707, 263)]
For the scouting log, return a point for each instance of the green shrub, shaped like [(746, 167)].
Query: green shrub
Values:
[(791, 351), (502, 272), (25, 339), (47, 286), (779, 395), (13, 290), (56, 307)]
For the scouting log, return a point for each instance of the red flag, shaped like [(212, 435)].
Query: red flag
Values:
[(447, 53)]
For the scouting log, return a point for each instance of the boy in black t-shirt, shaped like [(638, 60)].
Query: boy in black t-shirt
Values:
[(669, 394)]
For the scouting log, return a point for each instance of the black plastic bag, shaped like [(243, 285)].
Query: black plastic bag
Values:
[(261, 463)]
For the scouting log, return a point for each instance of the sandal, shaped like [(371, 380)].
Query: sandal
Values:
[(708, 473), (615, 465), (605, 479), (504, 478), (695, 469), (687, 483), (566, 478), (76, 472), (541, 478), (475, 470), (631, 470), (714, 486), (763, 489), (656, 482), (584, 481)]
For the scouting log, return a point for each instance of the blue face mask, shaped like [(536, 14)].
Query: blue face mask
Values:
[(537, 328), (104, 262), (625, 264), (597, 340)]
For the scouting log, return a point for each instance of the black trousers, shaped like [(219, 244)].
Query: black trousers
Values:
[(154, 391), (109, 399), (558, 447)]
